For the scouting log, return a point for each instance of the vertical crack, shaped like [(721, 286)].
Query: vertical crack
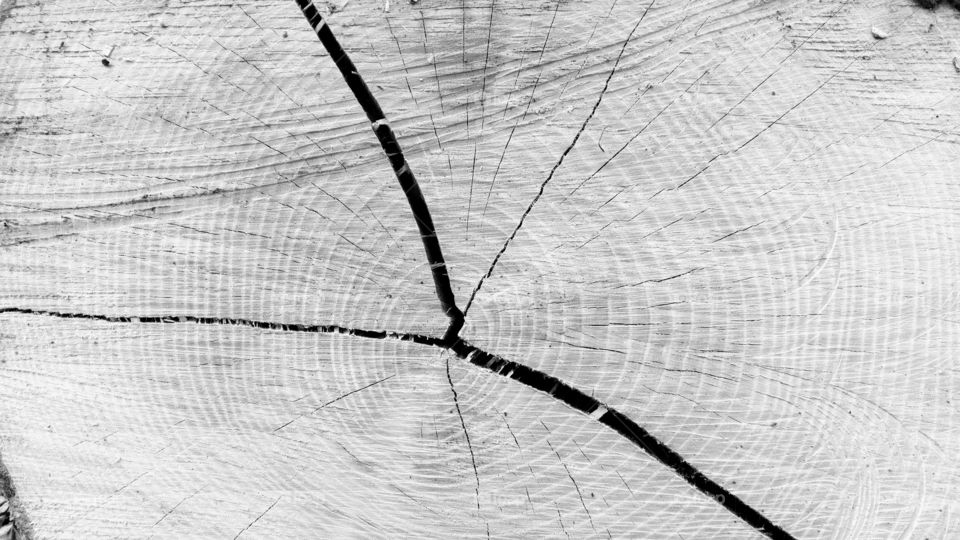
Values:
[(466, 434), (391, 147), (575, 485)]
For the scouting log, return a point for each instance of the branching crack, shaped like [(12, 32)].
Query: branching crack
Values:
[(530, 377), (391, 147)]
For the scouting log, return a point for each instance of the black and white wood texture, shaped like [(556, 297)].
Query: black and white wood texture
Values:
[(734, 222)]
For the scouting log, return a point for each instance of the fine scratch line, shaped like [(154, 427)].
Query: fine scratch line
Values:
[(466, 434), (557, 165), (252, 523)]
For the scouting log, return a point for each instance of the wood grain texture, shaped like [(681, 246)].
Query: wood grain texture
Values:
[(742, 235)]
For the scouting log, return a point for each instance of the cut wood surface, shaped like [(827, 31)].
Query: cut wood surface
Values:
[(735, 222)]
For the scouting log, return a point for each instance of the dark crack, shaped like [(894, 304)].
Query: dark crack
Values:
[(530, 377), (623, 425), (391, 147), (932, 4), (226, 321)]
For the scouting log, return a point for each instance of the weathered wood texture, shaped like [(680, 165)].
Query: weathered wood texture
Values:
[(751, 250)]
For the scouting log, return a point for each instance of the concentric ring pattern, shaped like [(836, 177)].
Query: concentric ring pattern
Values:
[(742, 235)]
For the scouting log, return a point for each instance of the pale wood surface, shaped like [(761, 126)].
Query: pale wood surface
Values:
[(765, 277)]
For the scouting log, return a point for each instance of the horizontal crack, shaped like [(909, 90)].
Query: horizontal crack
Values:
[(530, 377), (225, 321)]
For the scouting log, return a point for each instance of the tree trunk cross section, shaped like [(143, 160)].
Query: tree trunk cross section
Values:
[(532, 378), (729, 219)]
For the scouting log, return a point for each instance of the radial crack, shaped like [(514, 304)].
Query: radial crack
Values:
[(227, 321), (623, 425), (533, 378), (556, 165), (391, 147), (530, 377), (466, 434)]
